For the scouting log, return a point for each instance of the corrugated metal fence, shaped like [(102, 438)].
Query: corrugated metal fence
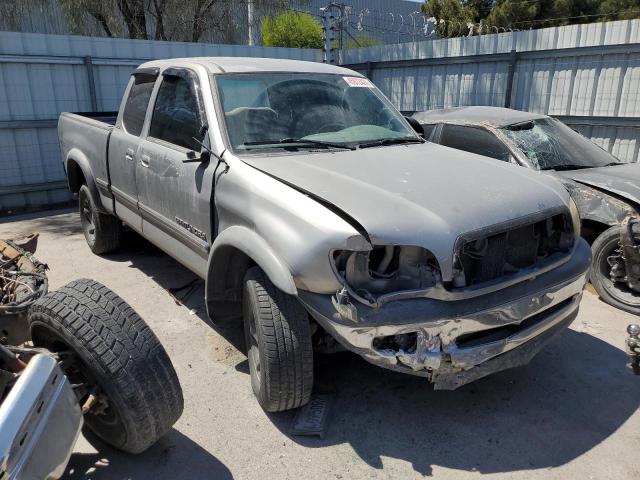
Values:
[(586, 75), (43, 75)]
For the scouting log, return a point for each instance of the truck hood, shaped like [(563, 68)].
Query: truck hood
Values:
[(423, 194), (620, 180)]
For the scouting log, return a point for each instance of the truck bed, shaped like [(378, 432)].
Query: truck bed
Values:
[(87, 134), (104, 117)]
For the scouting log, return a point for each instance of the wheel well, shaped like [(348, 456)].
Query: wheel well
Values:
[(592, 230), (75, 176), (225, 282)]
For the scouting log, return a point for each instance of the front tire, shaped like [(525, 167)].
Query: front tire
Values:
[(102, 231), (616, 294), (108, 351), (278, 342)]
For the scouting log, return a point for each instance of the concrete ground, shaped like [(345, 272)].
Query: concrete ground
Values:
[(572, 413)]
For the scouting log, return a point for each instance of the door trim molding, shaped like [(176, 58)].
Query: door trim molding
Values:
[(196, 244)]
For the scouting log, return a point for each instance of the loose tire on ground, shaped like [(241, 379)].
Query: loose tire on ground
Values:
[(117, 348), (102, 231), (278, 344), (614, 294)]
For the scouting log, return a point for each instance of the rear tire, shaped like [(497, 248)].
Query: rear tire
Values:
[(278, 342), (103, 232), (615, 294), (116, 355)]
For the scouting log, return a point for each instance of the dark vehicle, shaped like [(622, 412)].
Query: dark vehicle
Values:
[(79, 356), (606, 191)]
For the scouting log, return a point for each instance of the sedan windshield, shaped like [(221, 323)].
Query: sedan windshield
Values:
[(311, 111), (550, 145)]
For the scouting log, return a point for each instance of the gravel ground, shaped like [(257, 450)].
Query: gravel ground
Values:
[(572, 413)]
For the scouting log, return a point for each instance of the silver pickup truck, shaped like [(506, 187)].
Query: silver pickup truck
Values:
[(318, 216)]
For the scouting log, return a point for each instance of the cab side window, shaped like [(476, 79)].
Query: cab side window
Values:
[(136, 107), (474, 140), (175, 114)]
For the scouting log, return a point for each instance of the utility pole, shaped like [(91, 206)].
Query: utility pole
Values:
[(329, 27), (250, 21), (328, 34)]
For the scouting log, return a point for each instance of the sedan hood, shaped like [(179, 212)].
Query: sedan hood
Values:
[(620, 180), (425, 195)]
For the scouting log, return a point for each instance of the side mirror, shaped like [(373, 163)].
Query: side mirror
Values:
[(197, 157), (415, 125), (204, 155)]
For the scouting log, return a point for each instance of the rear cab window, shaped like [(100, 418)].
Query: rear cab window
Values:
[(474, 140), (135, 108)]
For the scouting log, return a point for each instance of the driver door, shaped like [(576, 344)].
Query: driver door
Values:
[(175, 191)]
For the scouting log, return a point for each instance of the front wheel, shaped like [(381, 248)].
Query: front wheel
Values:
[(278, 342), (121, 374), (608, 271)]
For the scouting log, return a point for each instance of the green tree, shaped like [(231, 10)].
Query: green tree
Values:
[(291, 29), (361, 41), (524, 14), (619, 9), (455, 13)]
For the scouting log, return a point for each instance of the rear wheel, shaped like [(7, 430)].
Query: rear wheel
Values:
[(102, 231), (608, 271), (278, 342), (121, 374)]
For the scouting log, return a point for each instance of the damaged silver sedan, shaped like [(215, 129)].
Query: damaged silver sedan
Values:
[(321, 220), (606, 191)]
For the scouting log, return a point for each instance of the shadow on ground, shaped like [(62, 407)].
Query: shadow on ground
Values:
[(174, 456), (172, 276), (66, 223), (573, 395)]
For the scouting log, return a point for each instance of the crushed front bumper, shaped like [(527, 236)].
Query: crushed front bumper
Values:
[(457, 342), (40, 420)]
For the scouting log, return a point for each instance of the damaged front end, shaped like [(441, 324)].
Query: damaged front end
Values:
[(625, 261), (510, 292)]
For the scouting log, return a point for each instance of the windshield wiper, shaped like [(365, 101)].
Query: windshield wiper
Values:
[(391, 141), (300, 141), (567, 167), (614, 163)]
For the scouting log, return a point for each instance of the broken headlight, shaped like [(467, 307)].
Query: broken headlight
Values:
[(386, 269)]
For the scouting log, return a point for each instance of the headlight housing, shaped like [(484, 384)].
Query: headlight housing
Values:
[(386, 269), (575, 216)]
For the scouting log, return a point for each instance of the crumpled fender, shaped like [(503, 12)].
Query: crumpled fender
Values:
[(256, 248)]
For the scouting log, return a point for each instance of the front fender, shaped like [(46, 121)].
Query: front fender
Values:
[(258, 250)]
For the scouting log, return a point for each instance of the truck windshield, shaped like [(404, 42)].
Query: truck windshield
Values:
[(550, 145), (304, 110)]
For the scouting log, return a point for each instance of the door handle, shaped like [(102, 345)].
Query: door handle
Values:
[(129, 154), (145, 160)]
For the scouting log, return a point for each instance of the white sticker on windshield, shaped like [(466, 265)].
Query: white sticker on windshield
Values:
[(358, 82)]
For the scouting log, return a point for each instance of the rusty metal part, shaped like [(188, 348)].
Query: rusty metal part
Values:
[(630, 250), (89, 402), (22, 282), (10, 361)]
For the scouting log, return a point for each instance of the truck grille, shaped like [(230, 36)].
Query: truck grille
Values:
[(489, 257)]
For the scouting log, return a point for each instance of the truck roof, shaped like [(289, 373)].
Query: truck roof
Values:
[(249, 65), (495, 116)]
